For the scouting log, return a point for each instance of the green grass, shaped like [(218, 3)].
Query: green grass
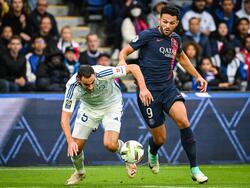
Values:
[(114, 176)]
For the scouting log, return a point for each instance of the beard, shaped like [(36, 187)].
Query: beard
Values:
[(164, 32)]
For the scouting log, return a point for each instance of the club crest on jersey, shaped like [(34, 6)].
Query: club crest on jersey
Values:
[(135, 39)]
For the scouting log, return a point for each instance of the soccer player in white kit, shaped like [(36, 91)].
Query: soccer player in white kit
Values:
[(100, 101)]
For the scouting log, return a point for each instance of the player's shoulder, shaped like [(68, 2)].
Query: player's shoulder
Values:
[(175, 35), (72, 81), (146, 35), (99, 69), (152, 32)]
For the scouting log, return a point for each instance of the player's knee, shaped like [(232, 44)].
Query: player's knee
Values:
[(111, 146), (160, 140), (182, 123)]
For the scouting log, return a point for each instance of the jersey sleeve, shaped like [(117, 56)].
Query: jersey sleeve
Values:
[(108, 72), (140, 40), (180, 46), (70, 98)]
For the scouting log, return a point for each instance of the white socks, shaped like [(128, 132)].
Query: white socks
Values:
[(78, 163)]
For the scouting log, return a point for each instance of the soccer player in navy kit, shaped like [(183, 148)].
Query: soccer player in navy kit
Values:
[(160, 48)]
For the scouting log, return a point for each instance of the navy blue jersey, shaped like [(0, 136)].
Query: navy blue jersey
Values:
[(157, 57)]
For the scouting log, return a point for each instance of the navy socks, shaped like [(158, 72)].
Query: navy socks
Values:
[(153, 147), (189, 145)]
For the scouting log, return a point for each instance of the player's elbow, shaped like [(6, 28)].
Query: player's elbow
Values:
[(65, 118), (132, 68)]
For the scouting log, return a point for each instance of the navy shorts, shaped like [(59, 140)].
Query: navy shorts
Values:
[(163, 100)]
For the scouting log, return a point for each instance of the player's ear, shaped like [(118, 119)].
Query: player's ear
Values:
[(78, 79)]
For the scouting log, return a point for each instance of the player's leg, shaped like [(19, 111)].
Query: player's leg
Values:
[(154, 117), (112, 125), (179, 114), (155, 142), (84, 125), (78, 163), (111, 142)]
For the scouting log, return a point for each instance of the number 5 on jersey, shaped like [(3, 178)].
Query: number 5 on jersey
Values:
[(84, 117)]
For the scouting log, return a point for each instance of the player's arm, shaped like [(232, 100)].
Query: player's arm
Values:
[(68, 107), (187, 65), (124, 54), (65, 123), (145, 95)]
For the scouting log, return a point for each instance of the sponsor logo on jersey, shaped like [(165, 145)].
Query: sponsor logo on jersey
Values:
[(68, 104), (167, 52)]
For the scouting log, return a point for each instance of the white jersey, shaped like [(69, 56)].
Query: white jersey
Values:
[(106, 90)]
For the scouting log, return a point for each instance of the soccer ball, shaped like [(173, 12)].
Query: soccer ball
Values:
[(132, 152)]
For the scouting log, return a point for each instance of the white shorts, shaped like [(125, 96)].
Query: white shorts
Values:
[(89, 119)]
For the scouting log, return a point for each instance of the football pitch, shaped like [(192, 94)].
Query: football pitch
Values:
[(115, 176)]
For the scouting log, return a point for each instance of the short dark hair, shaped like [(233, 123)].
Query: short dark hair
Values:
[(103, 55), (91, 34), (172, 10), (36, 37), (85, 71), (15, 37), (241, 19)]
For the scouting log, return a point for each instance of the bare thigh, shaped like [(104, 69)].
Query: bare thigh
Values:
[(178, 113)]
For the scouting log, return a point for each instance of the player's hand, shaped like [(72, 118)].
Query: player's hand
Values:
[(202, 84), (146, 97), (72, 148), (121, 63)]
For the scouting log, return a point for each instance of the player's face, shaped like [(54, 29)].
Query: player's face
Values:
[(168, 24), (88, 83)]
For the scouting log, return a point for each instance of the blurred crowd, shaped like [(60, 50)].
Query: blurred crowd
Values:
[(35, 56)]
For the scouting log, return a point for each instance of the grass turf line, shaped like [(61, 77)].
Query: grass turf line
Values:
[(115, 176)]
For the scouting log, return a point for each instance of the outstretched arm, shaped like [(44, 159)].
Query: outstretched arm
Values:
[(145, 95), (124, 54), (187, 65), (65, 123)]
